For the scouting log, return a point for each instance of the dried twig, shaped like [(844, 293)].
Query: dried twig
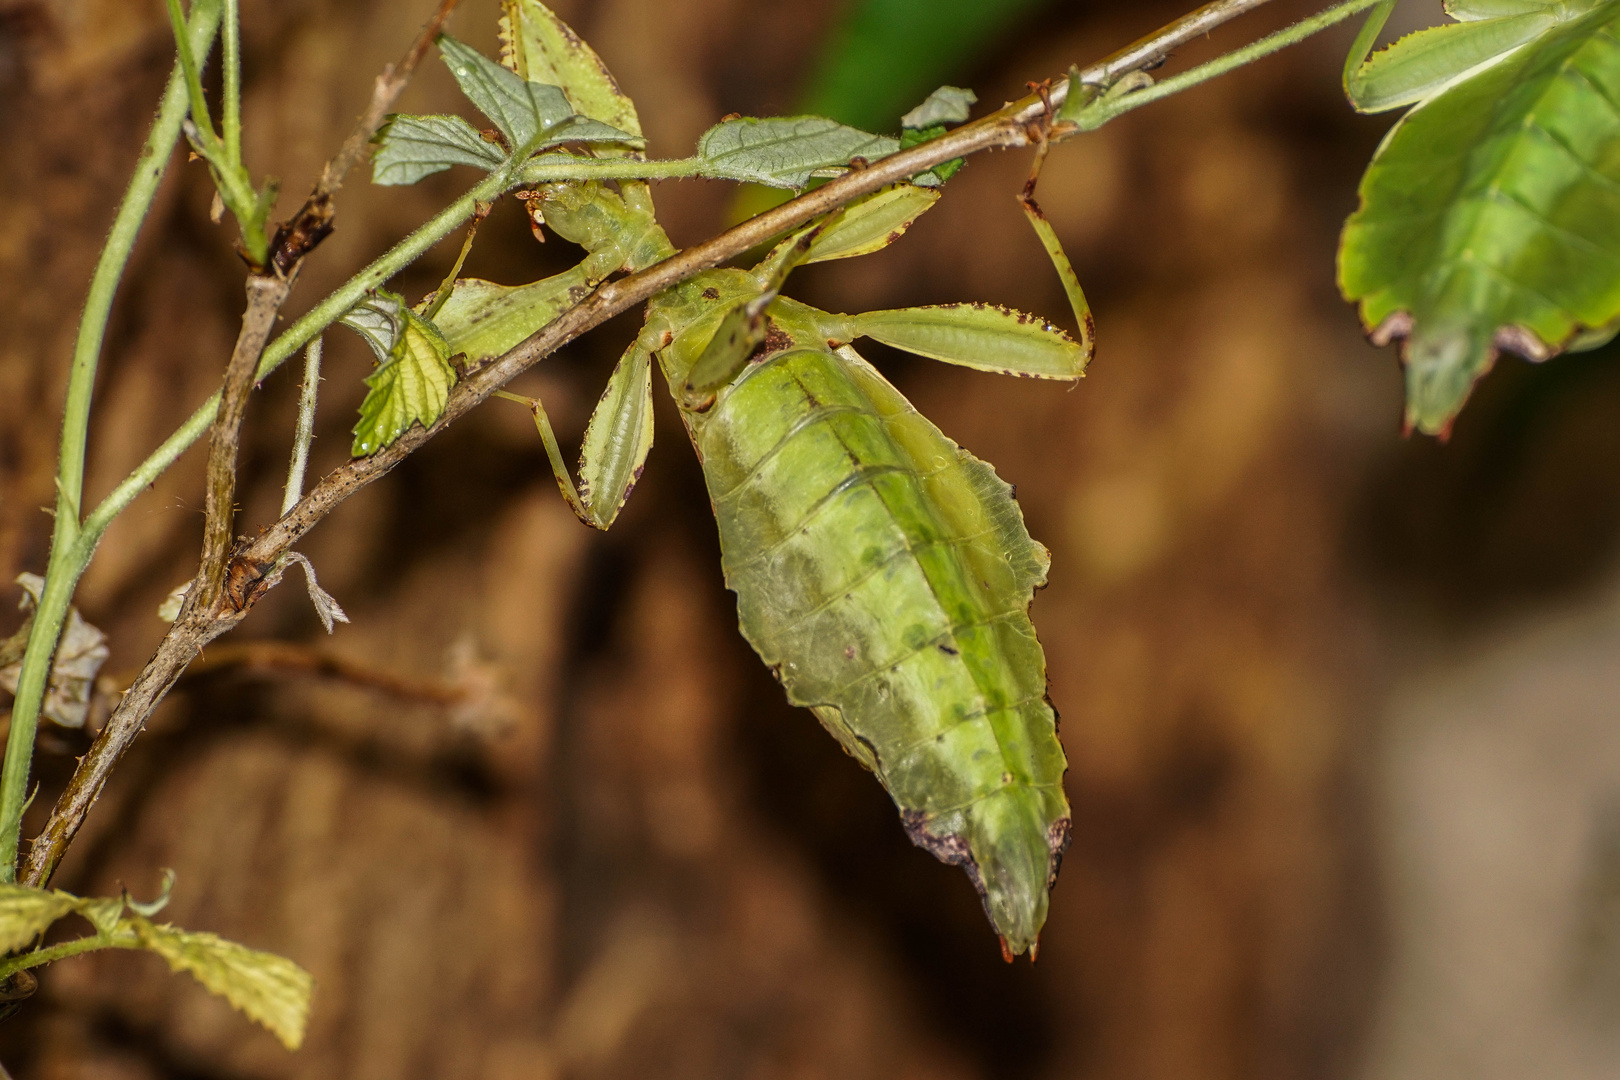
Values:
[(281, 656), (265, 294), (313, 222)]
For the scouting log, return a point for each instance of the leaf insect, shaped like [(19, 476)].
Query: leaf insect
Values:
[(882, 572)]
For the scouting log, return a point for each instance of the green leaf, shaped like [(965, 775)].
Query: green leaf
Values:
[(1490, 217), (947, 105), (378, 319), (618, 439), (269, 989), (411, 386), (982, 336), (1421, 64), (518, 107), (26, 913), (541, 48), (411, 147), (523, 111), (939, 173), (785, 151), (872, 223), (104, 913)]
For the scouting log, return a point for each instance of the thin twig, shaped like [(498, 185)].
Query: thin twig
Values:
[(256, 567), (282, 656), (307, 228), (265, 296), (305, 432), (1150, 51)]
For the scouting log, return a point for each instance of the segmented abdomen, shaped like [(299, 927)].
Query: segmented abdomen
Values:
[(886, 575)]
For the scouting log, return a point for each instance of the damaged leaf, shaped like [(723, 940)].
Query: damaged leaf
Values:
[(26, 913), (947, 105), (541, 48)]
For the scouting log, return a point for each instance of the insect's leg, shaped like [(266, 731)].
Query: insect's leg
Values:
[(1355, 75), (739, 334), (565, 481), (1049, 238), (480, 212)]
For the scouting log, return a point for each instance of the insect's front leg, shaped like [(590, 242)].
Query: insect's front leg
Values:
[(1421, 65)]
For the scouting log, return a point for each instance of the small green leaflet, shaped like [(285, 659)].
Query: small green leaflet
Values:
[(528, 114), (786, 151), (947, 105), (413, 380), (1490, 217), (411, 147), (269, 989)]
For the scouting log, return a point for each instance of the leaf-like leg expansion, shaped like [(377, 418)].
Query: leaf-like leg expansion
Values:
[(1357, 60), (1420, 65), (618, 438), (739, 334), (1071, 281), (617, 441)]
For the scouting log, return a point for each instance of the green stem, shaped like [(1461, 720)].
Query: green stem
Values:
[(1105, 108), (291, 340), (69, 553), (190, 68), (13, 964), (231, 118), (612, 169)]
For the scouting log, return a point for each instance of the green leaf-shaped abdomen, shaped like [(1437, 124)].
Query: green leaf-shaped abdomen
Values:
[(886, 575)]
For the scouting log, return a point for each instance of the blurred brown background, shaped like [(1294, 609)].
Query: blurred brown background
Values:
[(1340, 709)]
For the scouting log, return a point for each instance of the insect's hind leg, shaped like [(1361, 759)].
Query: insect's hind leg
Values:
[(1039, 131)]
